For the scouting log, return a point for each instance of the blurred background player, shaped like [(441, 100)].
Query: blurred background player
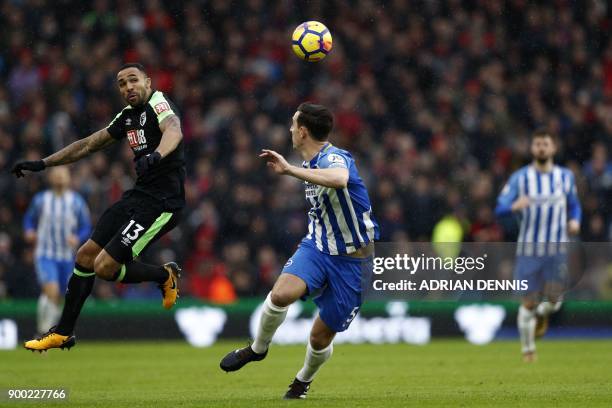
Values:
[(545, 197), (141, 216), (57, 222), (329, 261)]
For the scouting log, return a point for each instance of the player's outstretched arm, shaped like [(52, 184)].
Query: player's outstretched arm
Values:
[(330, 177), (81, 148), (69, 154)]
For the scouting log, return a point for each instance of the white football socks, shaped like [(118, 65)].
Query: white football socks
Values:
[(41, 314), (313, 361), (47, 314), (526, 323), (272, 317), (546, 308)]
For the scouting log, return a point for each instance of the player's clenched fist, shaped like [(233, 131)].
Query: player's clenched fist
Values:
[(146, 162), (573, 227), (36, 165), (276, 161), (521, 203)]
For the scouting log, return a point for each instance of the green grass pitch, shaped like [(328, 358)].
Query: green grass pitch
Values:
[(445, 373)]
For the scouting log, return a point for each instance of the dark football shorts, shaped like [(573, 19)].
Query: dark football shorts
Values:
[(133, 223)]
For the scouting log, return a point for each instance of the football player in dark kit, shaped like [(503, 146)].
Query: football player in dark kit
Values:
[(150, 124)]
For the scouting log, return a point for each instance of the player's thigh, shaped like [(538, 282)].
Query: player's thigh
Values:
[(166, 226), (145, 226), (46, 270), (321, 335), (529, 269), (287, 289), (303, 274), (556, 278), (341, 299), (109, 223)]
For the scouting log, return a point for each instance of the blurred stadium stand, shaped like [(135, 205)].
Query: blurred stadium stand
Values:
[(435, 98)]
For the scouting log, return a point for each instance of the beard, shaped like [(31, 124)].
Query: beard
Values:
[(542, 160), (141, 99)]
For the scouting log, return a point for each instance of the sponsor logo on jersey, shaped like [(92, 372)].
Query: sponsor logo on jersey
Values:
[(136, 139), (132, 138), (143, 118), (311, 190), (161, 107)]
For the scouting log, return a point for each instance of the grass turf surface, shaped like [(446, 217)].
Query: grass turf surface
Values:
[(443, 373)]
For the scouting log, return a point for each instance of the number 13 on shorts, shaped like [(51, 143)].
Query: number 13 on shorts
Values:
[(134, 234)]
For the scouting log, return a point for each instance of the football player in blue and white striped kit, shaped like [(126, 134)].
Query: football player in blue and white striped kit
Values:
[(545, 197), (57, 221), (330, 260)]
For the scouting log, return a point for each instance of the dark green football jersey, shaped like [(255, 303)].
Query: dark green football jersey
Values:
[(140, 126)]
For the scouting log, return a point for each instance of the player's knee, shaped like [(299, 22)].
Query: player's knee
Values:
[(86, 256), (52, 293), (530, 304), (281, 298), (104, 268), (55, 299)]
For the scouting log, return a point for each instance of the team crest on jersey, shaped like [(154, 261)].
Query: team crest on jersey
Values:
[(128, 122), (161, 107), (143, 118)]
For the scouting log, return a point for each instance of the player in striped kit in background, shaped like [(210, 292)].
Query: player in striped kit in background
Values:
[(544, 195), (57, 222)]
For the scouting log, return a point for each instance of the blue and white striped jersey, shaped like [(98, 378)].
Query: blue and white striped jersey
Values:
[(553, 201), (340, 220), (55, 217)]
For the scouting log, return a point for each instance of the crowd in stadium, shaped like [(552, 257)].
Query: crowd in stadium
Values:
[(435, 99)]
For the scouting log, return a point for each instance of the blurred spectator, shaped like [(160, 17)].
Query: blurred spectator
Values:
[(436, 99)]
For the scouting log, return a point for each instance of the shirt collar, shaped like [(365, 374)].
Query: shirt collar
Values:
[(151, 96), (315, 159)]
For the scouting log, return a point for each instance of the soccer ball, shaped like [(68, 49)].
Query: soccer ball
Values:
[(312, 41)]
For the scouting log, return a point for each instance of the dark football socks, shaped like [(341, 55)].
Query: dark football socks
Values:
[(136, 272), (81, 283), (79, 287)]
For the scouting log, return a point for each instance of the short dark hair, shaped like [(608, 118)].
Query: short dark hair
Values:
[(542, 132), (136, 65), (316, 118)]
